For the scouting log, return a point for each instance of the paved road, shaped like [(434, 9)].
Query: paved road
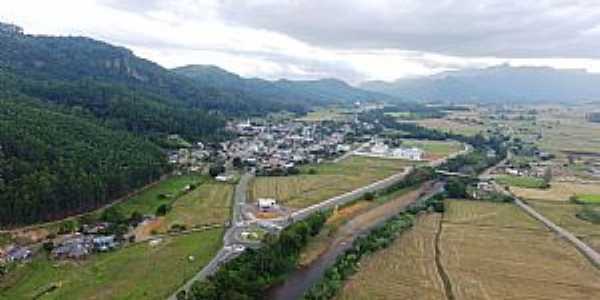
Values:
[(231, 245), (231, 238)]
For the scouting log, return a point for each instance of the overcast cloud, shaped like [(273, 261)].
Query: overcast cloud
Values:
[(348, 39)]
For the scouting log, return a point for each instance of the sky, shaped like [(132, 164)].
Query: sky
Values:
[(353, 40)]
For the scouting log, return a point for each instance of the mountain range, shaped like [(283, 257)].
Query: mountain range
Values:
[(499, 84)]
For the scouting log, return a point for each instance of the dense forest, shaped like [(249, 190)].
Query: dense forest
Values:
[(55, 165)]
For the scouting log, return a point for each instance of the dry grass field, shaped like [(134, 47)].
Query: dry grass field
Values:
[(564, 215), (496, 261), (558, 191), (405, 270), (488, 214), (331, 179), (487, 250)]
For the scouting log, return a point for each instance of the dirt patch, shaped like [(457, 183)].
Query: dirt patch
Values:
[(146, 230)]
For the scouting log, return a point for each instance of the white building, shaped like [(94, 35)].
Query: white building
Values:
[(408, 153), (266, 204)]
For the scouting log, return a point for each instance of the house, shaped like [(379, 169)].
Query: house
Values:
[(266, 204), (104, 243), (224, 178), (16, 254), (408, 153)]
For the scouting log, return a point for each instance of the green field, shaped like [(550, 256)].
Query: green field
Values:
[(149, 200), (521, 181), (589, 199), (135, 272), (327, 114), (331, 179), (434, 149), (209, 203)]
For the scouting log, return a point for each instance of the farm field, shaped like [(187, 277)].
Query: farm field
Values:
[(136, 272), (446, 125), (511, 262), (570, 133), (521, 181), (558, 191), (404, 270), (564, 215), (331, 179), (209, 203)]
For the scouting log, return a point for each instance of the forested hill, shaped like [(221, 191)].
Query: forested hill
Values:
[(501, 84), (81, 120), (305, 92)]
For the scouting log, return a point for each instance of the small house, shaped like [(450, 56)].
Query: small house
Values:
[(266, 204)]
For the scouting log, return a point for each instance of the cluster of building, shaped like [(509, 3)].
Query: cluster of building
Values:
[(277, 148), (14, 254), (380, 149), (80, 246)]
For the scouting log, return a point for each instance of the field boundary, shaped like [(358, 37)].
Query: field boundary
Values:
[(446, 282)]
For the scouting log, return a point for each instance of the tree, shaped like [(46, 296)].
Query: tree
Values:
[(113, 215), (136, 218), (237, 162), (547, 176), (163, 209), (216, 169), (456, 188)]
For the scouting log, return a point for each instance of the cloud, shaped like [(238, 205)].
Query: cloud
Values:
[(501, 28), (351, 40)]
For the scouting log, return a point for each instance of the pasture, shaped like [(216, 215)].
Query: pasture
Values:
[(139, 271), (209, 203), (165, 192), (329, 180)]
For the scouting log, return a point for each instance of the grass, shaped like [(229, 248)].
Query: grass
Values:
[(434, 149), (521, 181), (589, 198), (331, 179), (209, 203), (136, 272), (149, 200), (5, 239), (404, 270), (517, 262), (558, 191)]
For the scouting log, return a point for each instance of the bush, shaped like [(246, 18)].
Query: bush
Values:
[(312, 171), (163, 209), (369, 196)]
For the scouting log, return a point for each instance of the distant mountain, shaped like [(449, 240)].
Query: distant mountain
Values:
[(306, 93), (501, 84)]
